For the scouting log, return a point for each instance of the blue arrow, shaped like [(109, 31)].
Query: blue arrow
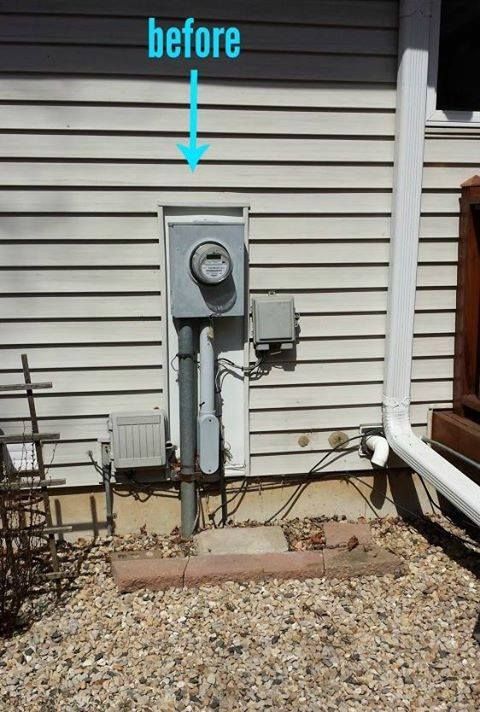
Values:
[(191, 151)]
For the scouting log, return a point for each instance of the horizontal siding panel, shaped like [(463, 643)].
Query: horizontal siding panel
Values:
[(275, 443), (164, 119), (443, 202), (80, 332), (40, 307), (340, 395), (100, 355), (333, 302), (371, 324), (344, 349), (349, 417), (430, 300), (65, 146), (76, 475), (170, 91), (93, 280), (447, 151), (353, 372), (128, 227), (133, 31), (78, 227), (60, 59), (70, 429), (84, 255), (376, 13), (300, 464), (319, 228), (78, 429), (236, 176), (449, 177), (80, 405), (347, 277), (365, 301), (74, 454), (433, 346), (295, 252), (318, 277), (441, 227), (61, 454), (96, 381), (323, 349), (146, 201)]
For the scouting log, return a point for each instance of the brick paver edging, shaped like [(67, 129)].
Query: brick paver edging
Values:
[(148, 570)]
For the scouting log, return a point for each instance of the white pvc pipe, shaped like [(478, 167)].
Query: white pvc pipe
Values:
[(207, 371), (409, 147), (380, 449)]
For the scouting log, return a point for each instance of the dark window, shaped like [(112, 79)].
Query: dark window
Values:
[(458, 85)]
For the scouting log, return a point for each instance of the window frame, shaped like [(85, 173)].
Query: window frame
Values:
[(439, 117)]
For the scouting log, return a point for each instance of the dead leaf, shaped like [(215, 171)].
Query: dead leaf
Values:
[(352, 543)]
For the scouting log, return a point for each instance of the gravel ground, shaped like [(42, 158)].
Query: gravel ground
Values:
[(370, 643)]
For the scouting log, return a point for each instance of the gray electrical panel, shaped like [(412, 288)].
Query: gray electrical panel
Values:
[(274, 322), (207, 265), (138, 439)]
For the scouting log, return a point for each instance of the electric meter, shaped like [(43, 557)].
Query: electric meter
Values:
[(206, 269), (211, 263)]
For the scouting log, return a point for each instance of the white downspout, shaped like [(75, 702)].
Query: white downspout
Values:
[(407, 189)]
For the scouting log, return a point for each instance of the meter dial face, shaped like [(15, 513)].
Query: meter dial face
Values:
[(211, 263)]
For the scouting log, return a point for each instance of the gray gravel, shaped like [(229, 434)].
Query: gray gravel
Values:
[(371, 643)]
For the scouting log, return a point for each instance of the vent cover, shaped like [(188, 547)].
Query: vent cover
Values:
[(138, 439)]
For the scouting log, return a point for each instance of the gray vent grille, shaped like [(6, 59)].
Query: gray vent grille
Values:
[(138, 439)]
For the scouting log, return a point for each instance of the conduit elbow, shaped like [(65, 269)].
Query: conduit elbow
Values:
[(380, 449)]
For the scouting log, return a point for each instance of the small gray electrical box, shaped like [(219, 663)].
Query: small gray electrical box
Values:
[(138, 439), (274, 322), (206, 269)]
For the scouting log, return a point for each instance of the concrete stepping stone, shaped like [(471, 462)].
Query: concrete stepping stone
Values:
[(241, 540)]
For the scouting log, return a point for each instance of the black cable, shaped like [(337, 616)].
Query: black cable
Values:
[(243, 484), (299, 491), (333, 449)]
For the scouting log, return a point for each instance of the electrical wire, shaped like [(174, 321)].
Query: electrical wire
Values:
[(313, 469), (303, 485), (241, 490), (139, 491), (228, 367)]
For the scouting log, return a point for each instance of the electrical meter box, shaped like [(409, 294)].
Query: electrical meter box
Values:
[(207, 269), (274, 322), (138, 439)]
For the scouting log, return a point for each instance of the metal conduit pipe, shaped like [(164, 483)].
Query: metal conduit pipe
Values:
[(188, 427), (408, 169)]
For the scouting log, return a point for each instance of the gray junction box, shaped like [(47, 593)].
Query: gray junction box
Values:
[(274, 322), (138, 439), (207, 267)]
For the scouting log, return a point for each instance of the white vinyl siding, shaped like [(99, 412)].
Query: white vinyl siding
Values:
[(302, 126)]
